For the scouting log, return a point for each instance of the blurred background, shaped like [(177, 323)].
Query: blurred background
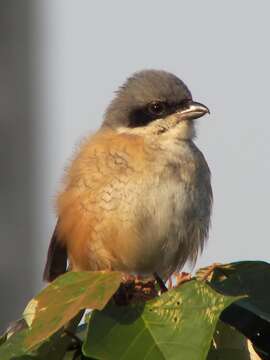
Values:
[(61, 61)]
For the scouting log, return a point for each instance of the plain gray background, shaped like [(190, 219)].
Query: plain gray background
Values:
[(61, 61)]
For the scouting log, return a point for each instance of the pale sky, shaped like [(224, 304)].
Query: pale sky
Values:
[(79, 52), (220, 49)]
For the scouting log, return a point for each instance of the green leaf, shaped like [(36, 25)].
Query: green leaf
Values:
[(228, 343), (12, 347), (3, 339), (53, 348), (64, 298), (250, 315), (12, 329), (177, 325), (245, 277)]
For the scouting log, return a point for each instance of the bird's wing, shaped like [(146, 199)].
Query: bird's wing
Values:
[(56, 263)]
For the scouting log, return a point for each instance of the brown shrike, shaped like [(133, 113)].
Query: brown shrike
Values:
[(137, 196)]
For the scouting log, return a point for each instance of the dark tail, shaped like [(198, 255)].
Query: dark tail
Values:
[(56, 263)]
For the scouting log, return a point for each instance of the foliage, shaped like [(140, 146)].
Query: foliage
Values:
[(217, 315)]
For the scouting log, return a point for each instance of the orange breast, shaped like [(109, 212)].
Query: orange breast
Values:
[(93, 210)]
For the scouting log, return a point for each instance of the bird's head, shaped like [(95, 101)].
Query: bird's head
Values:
[(154, 102)]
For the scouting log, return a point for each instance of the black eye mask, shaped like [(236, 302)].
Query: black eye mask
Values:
[(155, 110)]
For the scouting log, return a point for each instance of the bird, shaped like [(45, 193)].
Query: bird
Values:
[(137, 196)]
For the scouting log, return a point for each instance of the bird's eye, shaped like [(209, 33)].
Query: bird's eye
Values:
[(157, 108)]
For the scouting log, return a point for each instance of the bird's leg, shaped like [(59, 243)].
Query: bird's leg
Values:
[(160, 283)]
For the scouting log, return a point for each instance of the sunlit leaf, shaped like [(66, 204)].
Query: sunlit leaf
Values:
[(64, 298), (177, 325)]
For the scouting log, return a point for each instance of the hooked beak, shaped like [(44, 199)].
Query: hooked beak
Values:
[(193, 110)]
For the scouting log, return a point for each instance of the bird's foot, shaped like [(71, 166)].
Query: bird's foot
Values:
[(134, 289)]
